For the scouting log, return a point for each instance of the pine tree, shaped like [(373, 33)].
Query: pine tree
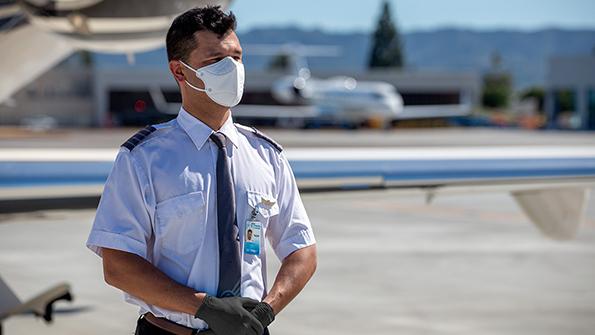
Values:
[(386, 48), (497, 84)]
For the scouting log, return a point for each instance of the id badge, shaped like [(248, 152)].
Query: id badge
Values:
[(252, 237)]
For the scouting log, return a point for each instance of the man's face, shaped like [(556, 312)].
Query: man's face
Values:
[(249, 235), (209, 49)]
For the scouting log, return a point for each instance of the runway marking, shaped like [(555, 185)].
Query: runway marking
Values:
[(329, 154)]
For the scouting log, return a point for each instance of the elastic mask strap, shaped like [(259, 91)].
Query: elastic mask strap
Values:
[(194, 87), (188, 66), (186, 81)]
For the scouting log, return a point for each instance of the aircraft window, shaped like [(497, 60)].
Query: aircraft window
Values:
[(591, 108), (128, 100), (172, 97), (431, 98), (352, 94), (134, 108)]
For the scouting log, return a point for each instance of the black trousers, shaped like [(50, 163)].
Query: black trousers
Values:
[(144, 327)]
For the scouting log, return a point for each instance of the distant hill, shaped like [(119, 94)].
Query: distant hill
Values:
[(524, 54)]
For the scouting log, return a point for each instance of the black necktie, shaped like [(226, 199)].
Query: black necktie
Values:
[(227, 225)]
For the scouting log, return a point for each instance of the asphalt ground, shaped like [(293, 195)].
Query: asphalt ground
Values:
[(388, 264)]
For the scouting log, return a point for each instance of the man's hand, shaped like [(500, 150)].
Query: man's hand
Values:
[(230, 315), (264, 313)]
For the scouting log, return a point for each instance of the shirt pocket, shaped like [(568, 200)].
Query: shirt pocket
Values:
[(267, 205), (180, 223)]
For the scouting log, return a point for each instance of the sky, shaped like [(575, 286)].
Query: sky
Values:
[(414, 15)]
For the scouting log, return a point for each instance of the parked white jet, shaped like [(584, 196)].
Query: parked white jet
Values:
[(338, 99)]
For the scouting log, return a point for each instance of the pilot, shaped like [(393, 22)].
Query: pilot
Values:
[(176, 207)]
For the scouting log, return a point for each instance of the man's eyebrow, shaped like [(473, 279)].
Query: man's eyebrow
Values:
[(214, 54), (218, 53)]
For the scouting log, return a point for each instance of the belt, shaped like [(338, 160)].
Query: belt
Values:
[(173, 327)]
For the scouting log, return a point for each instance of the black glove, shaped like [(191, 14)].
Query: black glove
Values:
[(264, 313), (230, 315)]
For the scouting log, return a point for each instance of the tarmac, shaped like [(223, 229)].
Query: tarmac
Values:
[(388, 262)]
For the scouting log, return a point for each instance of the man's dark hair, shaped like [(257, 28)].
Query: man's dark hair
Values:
[(180, 40)]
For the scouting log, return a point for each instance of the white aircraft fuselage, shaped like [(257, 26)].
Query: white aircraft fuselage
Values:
[(113, 26)]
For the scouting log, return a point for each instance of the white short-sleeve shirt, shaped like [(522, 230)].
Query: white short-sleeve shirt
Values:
[(159, 202)]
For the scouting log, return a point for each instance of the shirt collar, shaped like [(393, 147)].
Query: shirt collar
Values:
[(199, 132)]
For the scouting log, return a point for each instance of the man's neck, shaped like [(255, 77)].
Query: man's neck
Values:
[(213, 117)]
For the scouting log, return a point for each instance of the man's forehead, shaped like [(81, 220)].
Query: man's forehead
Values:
[(212, 43)]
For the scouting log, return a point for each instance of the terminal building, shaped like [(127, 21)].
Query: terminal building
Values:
[(77, 95)]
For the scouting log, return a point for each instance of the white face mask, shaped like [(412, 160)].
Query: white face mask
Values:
[(224, 81)]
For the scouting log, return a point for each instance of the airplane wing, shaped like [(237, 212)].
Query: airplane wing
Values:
[(36, 35), (551, 184), (28, 53), (41, 305)]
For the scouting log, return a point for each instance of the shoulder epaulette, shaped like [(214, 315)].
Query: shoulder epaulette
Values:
[(138, 137), (261, 135), (268, 139)]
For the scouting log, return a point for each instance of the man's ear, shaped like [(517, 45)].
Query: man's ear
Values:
[(175, 67)]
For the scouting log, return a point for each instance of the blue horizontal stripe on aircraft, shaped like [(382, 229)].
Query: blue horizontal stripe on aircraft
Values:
[(14, 174), (445, 169), (73, 173)]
